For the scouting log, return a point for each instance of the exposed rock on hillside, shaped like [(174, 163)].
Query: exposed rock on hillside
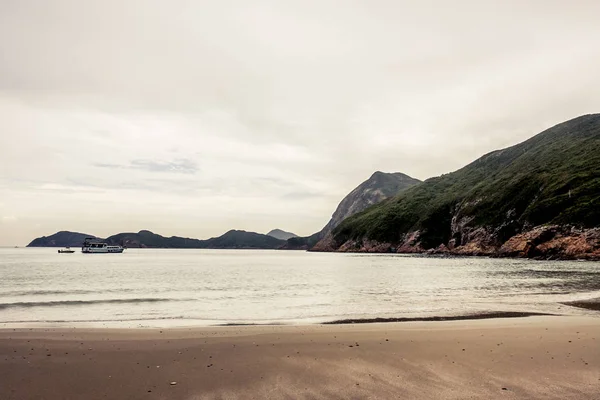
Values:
[(540, 198), (379, 187)]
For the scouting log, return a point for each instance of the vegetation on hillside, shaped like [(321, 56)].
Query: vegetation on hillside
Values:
[(149, 239), (235, 239), (231, 240), (553, 177), (378, 187), (60, 239), (303, 242), (281, 235)]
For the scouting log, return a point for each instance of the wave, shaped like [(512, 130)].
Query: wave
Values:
[(484, 315), (59, 303), (292, 321), (546, 273), (61, 321), (589, 304), (57, 292)]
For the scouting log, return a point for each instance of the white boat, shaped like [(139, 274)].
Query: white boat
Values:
[(93, 246), (66, 250)]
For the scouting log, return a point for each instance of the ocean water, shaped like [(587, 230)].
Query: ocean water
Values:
[(158, 288)]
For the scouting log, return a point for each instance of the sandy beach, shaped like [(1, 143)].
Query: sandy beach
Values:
[(519, 358)]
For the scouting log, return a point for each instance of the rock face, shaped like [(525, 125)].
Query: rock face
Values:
[(540, 199), (61, 239), (554, 241), (281, 235), (379, 187), (543, 242)]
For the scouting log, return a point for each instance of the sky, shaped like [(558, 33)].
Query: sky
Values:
[(191, 118)]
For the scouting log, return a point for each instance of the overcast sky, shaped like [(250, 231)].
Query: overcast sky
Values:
[(191, 118)]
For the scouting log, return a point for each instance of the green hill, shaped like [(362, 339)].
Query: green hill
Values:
[(378, 187), (302, 243), (552, 178), (152, 240), (235, 239), (60, 239), (230, 240)]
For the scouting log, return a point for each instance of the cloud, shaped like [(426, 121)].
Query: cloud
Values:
[(179, 166), (192, 118), (182, 166)]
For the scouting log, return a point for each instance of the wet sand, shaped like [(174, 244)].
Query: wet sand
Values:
[(518, 358), (591, 304)]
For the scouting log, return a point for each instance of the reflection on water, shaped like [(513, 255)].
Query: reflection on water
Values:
[(176, 287)]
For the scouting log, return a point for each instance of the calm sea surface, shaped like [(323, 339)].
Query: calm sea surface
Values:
[(156, 288)]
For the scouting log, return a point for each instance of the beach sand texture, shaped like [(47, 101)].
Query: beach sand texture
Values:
[(520, 358)]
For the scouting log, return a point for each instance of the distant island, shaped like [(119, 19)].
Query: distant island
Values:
[(281, 235), (61, 239), (234, 239)]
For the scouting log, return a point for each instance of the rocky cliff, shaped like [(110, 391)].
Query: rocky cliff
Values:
[(378, 187), (540, 198)]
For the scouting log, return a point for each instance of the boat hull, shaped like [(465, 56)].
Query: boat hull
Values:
[(94, 246), (101, 251)]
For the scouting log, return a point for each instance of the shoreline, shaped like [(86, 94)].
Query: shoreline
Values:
[(538, 357), (589, 304), (465, 317), (433, 253), (178, 323), (543, 242)]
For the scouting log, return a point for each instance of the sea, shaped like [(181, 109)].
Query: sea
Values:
[(184, 287)]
